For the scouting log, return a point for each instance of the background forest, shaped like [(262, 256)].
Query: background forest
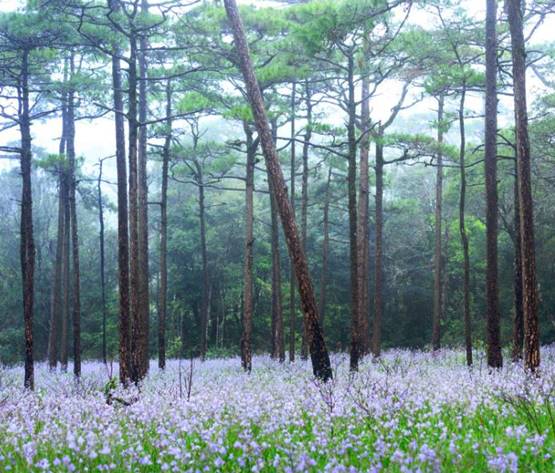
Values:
[(413, 71)]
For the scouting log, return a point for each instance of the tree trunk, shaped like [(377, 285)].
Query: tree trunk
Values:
[(65, 276), (27, 243), (162, 298), (246, 348), (353, 230), (362, 232), (292, 304), (528, 254), (143, 304), (76, 293), (378, 276), (304, 189), (278, 346), (205, 304), (438, 251), (494, 355), (318, 351), (102, 260), (518, 319), (325, 251), (123, 217), (464, 236)]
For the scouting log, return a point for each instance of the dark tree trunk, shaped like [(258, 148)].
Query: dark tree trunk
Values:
[(362, 232), (205, 303), (518, 319), (318, 351), (27, 243), (143, 304), (278, 345), (325, 251), (134, 263), (304, 189), (123, 218), (378, 260), (162, 298), (528, 252), (246, 348), (101, 239), (65, 276), (356, 350), (494, 355), (292, 304), (438, 251), (76, 283), (463, 234)]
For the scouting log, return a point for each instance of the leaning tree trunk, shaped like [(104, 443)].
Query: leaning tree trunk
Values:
[(463, 234), (72, 185), (292, 304), (142, 212), (319, 355), (494, 355), (246, 348), (123, 222), (27, 244), (362, 232), (518, 319), (304, 189), (378, 261), (528, 252), (438, 251), (163, 290), (356, 350)]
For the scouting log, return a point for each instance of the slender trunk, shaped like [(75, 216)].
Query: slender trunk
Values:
[(65, 276), (55, 307), (76, 283), (134, 266), (246, 349), (162, 304), (102, 260), (362, 232), (528, 252), (464, 236), (292, 305), (304, 189), (143, 304), (518, 320), (27, 252), (438, 252), (319, 355), (353, 230), (325, 251), (278, 346), (205, 304), (494, 355), (123, 218), (378, 276)]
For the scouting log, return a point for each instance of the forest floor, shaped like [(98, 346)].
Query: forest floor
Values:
[(408, 412)]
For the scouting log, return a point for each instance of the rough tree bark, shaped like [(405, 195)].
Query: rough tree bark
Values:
[(27, 244), (378, 258), (518, 318), (292, 304), (163, 290), (528, 252), (462, 232), (356, 350), (123, 217), (362, 232), (246, 348), (438, 250), (494, 355), (319, 355)]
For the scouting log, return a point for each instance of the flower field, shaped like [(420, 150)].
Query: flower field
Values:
[(407, 412)]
